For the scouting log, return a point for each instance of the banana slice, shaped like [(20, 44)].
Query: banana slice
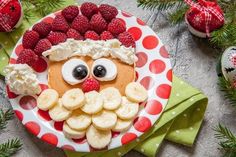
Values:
[(104, 120), (47, 99), (79, 120), (58, 112), (122, 125), (97, 138), (136, 92), (93, 102), (70, 133), (73, 99), (111, 97), (127, 109)]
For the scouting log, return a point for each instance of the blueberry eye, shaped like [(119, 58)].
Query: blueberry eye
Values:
[(75, 71), (99, 71), (80, 72), (104, 69)]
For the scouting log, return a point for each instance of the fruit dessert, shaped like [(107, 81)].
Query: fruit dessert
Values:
[(91, 72)]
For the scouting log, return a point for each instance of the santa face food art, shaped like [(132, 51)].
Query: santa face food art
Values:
[(92, 87)]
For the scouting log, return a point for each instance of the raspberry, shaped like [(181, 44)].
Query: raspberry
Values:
[(90, 84), (91, 35), (27, 56), (56, 37), (60, 24), (70, 12), (42, 45), (106, 35), (81, 24), (116, 27), (30, 39), (42, 28), (126, 39), (108, 12), (88, 9), (98, 23), (72, 33)]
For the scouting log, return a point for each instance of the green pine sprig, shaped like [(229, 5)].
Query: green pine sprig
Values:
[(10, 147), (4, 117), (228, 89), (227, 140)]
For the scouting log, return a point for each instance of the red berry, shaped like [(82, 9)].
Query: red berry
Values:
[(42, 28), (27, 56), (88, 9), (30, 39), (91, 35), (108, 12), (106, 35), (81, 24), (42, 45), (98, 23), (56, 37), (70, 12), (126, 39), (116, 26), (90, 84), (72, 33), (60, 24)]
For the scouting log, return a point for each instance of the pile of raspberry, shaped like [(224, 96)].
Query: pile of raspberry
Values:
[(89, 22)]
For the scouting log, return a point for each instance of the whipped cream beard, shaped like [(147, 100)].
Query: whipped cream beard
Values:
[(21, 79), (94, 48)]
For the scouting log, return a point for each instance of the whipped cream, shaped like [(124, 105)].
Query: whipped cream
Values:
[(21, 79), (93, 48)]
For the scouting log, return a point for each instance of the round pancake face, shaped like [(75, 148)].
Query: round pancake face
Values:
[(125, 75)]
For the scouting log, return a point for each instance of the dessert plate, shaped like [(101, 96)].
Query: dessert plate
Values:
[(153, 71)]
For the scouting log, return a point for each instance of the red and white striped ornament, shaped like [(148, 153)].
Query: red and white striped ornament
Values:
[(11, 15), (204, 17)]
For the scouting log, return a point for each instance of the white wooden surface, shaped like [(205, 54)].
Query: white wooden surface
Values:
[(192, 60)]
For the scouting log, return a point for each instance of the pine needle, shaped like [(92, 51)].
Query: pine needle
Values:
[(178, 15), (227, 141), (4, 117), (10, 147)]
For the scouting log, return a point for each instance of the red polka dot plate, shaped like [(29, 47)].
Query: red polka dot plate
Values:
[(153, 71)]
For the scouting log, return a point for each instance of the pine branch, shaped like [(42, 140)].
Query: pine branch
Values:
[(178, 15), (10, 147), (159, 4), (227, 141), (4, 117)]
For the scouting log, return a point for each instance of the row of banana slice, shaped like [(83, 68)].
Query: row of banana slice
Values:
[(93, 114)]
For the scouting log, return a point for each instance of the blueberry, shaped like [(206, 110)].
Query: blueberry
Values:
[(80, 72), (99, 71)]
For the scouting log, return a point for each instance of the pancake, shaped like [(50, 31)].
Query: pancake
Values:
[(125, 75)]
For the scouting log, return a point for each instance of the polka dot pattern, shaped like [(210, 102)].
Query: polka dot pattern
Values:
[(142, 59), (136, 32), (10, 94), (33, 127), (50, 138), (28, 102), (128, 137), (147, 82), (142, 124), (153, 71), (150, 42), (153, 107), (157, 66)]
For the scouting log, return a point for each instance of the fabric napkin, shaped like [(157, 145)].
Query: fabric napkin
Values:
[(179, 123)]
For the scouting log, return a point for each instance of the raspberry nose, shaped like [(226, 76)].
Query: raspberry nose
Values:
[(90, 84)]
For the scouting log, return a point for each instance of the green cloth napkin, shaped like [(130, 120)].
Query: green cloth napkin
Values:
[(179, 123)]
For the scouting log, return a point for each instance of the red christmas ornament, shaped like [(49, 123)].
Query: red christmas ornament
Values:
[(204, 17), (11, 15)]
